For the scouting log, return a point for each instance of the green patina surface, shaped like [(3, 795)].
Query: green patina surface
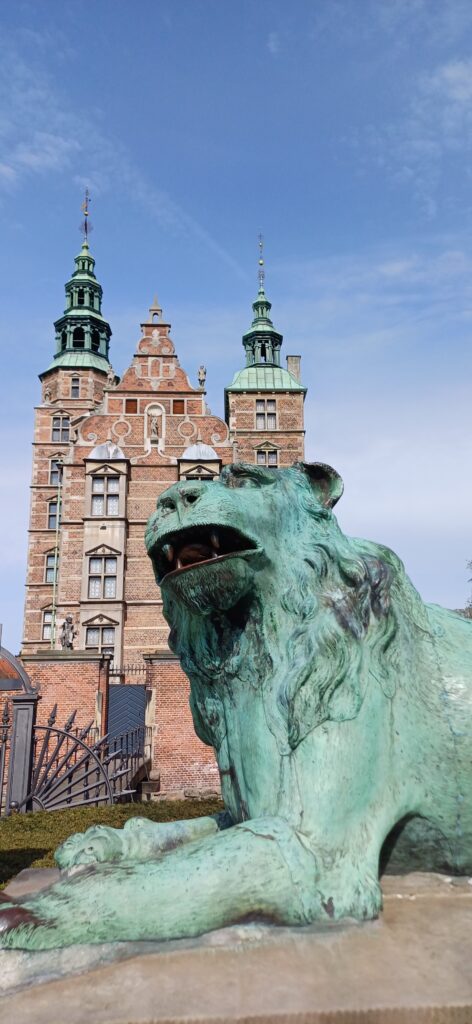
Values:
[(339, 708), (80, 360), (264, 378)]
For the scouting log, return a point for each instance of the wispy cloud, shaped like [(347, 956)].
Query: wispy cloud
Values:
[(434, 134), (40, 132)]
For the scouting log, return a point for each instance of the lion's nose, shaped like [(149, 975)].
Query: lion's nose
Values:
[(179, 499)]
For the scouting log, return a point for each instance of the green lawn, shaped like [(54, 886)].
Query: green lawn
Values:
[(29, 840)]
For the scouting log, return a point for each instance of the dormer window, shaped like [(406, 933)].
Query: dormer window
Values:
[(105, 495)]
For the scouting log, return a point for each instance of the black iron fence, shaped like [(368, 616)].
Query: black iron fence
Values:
[(44, 767)]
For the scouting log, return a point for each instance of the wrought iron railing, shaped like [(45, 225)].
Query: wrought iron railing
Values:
[(5, 740), (137, 670), (69, 766)]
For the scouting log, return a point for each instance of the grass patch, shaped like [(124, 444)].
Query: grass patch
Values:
[(29, 840)]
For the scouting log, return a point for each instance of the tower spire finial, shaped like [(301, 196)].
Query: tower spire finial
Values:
[(86, 226), (261, 273)]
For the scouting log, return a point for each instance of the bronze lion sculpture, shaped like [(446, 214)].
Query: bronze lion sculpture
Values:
[(339, 708)]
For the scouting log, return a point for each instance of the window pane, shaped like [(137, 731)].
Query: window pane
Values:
[(95, 565), (110, 565), (272, 458), (92, 637), (131, 405), (47, 623), (112, 505), (108, 635), (270, 405), (108, 650), (65, 428), (113, 484), (261, 459), (178, 406), (75, 388), (53, 471), (52, 515), (95, 586), (49, 575), (98, 484), (260, 406), (260, 422), (271, 424), (98, 505), (110, 586)]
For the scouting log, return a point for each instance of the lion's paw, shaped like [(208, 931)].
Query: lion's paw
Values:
[(98, 844)]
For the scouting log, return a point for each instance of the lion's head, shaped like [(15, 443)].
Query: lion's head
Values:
[(260, 586)]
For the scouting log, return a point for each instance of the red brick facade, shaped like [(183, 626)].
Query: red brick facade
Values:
[(121, 443)]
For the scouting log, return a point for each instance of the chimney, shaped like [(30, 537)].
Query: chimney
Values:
[(293, 366)]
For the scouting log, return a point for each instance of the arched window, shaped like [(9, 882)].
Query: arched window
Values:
[(80, 297), (63, 341), (95, 341), (78, 337)]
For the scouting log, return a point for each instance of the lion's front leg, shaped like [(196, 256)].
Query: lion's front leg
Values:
[(258, 868), (139, 840)]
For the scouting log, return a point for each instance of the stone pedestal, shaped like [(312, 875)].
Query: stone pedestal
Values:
[(413, 966)]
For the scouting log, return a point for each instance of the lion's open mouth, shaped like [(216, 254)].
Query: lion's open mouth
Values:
[(198, 545)]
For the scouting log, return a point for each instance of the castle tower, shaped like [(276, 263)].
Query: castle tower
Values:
[(264, 402), (72, 386)]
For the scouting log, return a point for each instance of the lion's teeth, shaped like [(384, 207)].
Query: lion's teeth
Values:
[(178, 564), (215, 540), (169, 552)]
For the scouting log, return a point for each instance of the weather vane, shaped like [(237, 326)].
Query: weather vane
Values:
[(261, 263), (86, 225)]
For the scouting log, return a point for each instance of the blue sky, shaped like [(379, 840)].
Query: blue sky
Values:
[(340, 128)]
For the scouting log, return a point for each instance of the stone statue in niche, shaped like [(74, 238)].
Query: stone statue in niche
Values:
[(111, 377), (155, 426), (202, 376), (47, 394), (68, 634), (339, 708)]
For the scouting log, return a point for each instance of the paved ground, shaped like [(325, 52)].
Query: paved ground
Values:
[(414, 966)]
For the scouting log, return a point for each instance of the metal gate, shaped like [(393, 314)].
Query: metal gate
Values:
[(126, 708)]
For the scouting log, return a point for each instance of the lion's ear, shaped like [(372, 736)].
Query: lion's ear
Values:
[(325, 481)]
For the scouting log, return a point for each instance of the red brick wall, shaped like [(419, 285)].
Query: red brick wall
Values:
[(72, 683), (183, 762)]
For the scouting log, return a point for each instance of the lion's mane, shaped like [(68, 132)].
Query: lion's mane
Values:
[(336, 597)]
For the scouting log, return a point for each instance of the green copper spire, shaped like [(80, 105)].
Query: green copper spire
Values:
[(262, 342), (82, 334)]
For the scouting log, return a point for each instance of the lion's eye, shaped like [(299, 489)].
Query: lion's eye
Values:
[(237, 480), (245, 476)]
